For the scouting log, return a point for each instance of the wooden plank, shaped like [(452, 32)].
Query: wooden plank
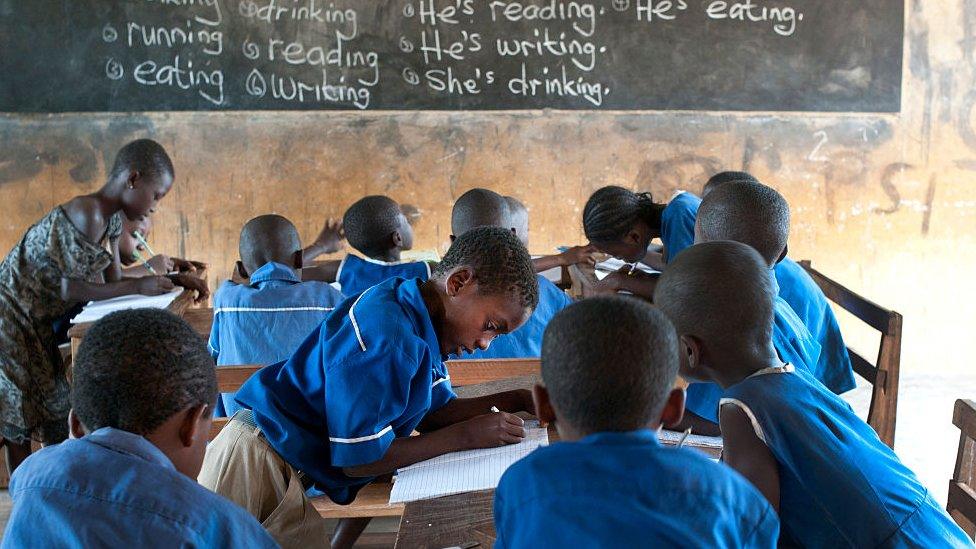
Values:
[(449, 521), (862, 367), (475, 371), (200, 319), (964, 416), (372, 501), (230, 378), (962, 501), (866, 310)]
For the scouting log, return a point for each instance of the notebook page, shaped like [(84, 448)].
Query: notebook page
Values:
[(97, 309), (701, 441), (465, 471)]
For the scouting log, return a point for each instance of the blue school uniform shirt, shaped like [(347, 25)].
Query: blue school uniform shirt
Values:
[(801, 292), (368, 374), (623, 489), (793, 342), (264, 321), (113, 488), (678, 224), (840, 486), (526, 341), (358, 273)]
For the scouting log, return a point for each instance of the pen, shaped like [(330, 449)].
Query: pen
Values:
[(684, 435), (143, 242), (633, 267), (145, 263), (495, 409)]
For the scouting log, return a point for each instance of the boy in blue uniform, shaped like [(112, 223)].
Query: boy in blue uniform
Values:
[(342, 408), (609, 365), (832, 480), (142, 394), (376, 227), (807, 300), (264, 320), (759, 217), (482, 207)]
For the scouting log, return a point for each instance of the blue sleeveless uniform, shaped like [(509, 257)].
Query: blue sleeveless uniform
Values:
[(798, 289), (356, 273), (794, 344), (840, 486), (526, 341), (678, 224)]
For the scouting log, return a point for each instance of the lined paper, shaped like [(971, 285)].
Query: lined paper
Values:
[(465, 471), (612, 265), (97, 309), (701, 441)]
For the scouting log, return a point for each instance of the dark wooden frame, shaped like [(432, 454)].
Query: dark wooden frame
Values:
[(962, 487), (883, 374)]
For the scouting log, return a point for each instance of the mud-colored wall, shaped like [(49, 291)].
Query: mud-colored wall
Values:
[(883, 203)]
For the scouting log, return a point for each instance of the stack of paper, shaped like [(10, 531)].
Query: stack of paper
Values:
[(97, 309), (465, 471)]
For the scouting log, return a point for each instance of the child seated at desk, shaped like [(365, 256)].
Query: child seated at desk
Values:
[(265, 319), (142, 395), (342, 408), (483, 207), (375, 227), (757, 215), (826, 472), (68, 257), (608, 369), (137, 260)]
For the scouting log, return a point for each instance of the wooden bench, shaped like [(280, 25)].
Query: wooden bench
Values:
[(883, 373), (962, 486)]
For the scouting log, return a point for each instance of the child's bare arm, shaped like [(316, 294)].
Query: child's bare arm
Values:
[(572, 256), (638, 283), (81, 291), (745, 452), (113, 273), (485, 431), (655, 260), (322, 271), (698, 425), (461, 409), (328, 241)]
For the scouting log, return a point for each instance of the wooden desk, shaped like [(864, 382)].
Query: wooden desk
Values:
[(455, 520), (582, 278)]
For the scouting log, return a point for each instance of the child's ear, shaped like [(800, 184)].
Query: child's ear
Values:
[(75, 428), (397, 239), (691, 354), (782, 256), (458, 279), (543, 406), (674, 408), (134, 176), (195, 424), (241, 271), (298, 259)]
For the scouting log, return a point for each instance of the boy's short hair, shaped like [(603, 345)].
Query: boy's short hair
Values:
[(609, 363), (611, 212), (720, 291), (268, 238), (370, 222), (751, 213), (479, 208), (722, 178), (146, 156), (136, 368), (500, 262)]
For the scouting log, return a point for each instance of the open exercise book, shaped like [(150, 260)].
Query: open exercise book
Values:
[(612, 265), (465, 471), (97, 309)]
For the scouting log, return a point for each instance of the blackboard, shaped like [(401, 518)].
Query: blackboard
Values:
[(166, 55)]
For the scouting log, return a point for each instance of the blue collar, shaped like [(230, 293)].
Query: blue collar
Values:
[(772, 276), (132, 444), (408, 294), (620, 438), (274, 271)]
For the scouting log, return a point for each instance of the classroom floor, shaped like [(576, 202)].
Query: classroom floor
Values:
[(925, 439)]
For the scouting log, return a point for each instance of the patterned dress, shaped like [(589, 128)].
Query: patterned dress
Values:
[(33, 387)]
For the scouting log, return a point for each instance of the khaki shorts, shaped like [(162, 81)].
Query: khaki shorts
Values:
[(241, 466)]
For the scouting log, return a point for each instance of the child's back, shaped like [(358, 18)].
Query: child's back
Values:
[(839, 485), (376, 227), (265, 320), (608, 368)]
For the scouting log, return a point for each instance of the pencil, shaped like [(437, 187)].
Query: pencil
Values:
[(684, 435), (142, 241), (145, 263)]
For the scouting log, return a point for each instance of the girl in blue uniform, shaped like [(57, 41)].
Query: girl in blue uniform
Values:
[(832, 480), (340, 411)]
